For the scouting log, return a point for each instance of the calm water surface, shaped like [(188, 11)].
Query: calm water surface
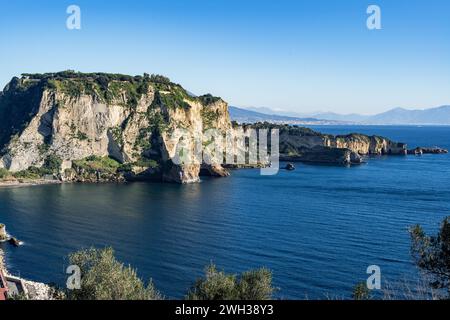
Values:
[(317, 228)]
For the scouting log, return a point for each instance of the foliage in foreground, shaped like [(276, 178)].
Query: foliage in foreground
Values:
[(4, 173), (361, 292), (217, 285), (432, 255), (105, 278)]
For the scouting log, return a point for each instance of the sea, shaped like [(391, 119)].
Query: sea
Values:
[(317, 228)]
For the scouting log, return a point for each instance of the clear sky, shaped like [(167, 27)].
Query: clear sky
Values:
[(289, 54)]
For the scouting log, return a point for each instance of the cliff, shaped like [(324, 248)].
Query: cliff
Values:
[(306, 145), (75, 121)]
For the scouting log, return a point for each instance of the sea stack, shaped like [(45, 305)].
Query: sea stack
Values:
[(290, 167), (3, 235)]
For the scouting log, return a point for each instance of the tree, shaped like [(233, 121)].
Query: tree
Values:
[(105, 278), (159, 79), (4, 173), (53, 164), (432, 255), (217, 285)]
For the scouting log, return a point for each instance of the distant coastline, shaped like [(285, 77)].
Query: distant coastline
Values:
[(439, 116)]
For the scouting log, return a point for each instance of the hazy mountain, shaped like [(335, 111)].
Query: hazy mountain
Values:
[(439, 115), (279, 112), (436, 116), (317, 115), (353, 117), (249, 116)]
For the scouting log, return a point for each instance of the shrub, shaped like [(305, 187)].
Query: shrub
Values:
[(146, 163), (105, 278), (256, 285), (52, 164), (217, 285), (208, 99), (4, 173), (432, 255), (94, 164), (32, 173), (361, 292)]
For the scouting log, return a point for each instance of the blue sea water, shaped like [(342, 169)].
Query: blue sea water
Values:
[(318, 227)]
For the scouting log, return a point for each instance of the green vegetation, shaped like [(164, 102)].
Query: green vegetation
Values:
[(361, 292), (43, 148), (173, 98), (146, 163), (133, 91), (105, 278), (291, 130), (52, 165), (108, 87), (157, 122), (32, 173), (125, 167), (113, 87), (209, 117), (94, 164), (143, 139), (116, 133), (4, 173), (100, 77), (81, 136), (217, 285), (432, 256), (208, 99)]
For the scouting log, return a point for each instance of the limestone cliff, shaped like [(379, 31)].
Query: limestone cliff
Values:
[(306, 145), (366, 145), (70, 117)]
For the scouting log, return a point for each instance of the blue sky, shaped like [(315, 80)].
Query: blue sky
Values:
[(290, 54)]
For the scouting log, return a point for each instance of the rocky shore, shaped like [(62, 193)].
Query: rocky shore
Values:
[(21, 183), (31, 289), (427, 150)]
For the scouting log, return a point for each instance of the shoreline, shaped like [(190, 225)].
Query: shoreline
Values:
[(27, 183), (34, 290)]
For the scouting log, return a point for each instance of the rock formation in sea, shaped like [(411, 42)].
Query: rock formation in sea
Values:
[(306, 145), (3, 234), (97, 127), (427, 150)]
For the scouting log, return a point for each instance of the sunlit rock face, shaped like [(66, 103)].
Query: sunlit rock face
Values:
[(73, 116)]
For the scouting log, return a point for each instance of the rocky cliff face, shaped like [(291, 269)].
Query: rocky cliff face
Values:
[(366, 145), (303, 144), (71, 117)]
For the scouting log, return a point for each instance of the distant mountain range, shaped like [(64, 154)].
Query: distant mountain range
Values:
[(400, 116), (241, 115)]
